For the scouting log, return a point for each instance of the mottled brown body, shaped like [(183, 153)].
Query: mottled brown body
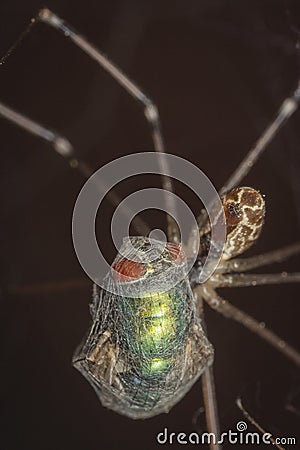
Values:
[(244, 210)]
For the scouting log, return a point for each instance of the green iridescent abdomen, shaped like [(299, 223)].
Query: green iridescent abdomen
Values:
[(145, 348), (156, 334)]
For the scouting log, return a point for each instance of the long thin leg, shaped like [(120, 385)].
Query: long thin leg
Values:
[(255, 423), (259, 328), (150, 109), (208, 385), (64, 148), (242, 280), (287, 108), (210, 402), (244, 264)]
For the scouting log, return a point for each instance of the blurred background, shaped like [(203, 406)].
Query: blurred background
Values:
[(218, 70)]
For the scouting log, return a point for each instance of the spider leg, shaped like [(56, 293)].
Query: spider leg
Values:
[(208, 383), (241, 280), (287, 108), (244, 264), (255, 423), (232, 312), (234, 265), (209, 395), (64, 148), (150, 109)]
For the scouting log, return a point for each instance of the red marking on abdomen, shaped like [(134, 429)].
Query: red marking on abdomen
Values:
[(176, 252), (127, 270)]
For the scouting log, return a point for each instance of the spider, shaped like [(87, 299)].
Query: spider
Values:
[(218, 279)]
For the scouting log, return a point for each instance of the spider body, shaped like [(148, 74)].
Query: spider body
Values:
[(244, 210)]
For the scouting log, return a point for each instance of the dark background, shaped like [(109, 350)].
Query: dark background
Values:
[(218, 71)]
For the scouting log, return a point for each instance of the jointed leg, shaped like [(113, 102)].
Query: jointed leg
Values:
[(150, 109), (232, 312), (244, 264), (62, 146), (235, 265), (287, 108), (255, 423), (208, 386), (242, 280), (210, 402)]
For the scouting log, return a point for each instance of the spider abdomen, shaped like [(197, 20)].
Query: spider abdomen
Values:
[(244, 209)]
